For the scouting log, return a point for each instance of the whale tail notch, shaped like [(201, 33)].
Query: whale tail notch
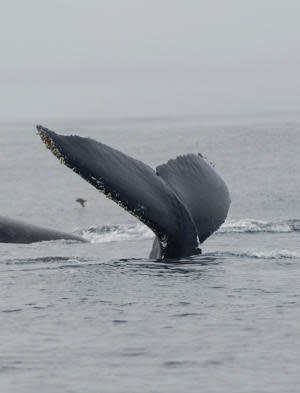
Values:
[(183, 201)]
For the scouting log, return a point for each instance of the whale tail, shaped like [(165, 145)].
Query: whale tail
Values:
[(183, 202)]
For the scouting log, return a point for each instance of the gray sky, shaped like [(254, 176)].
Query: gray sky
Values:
[(94, 58)]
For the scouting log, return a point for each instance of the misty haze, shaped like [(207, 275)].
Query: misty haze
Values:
[(197, 290)]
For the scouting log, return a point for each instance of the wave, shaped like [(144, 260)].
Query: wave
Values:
[(274, 254), (116, 233), (138, 231), (249, 225)]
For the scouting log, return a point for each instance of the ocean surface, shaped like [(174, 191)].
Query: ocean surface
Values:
[(102, 317)]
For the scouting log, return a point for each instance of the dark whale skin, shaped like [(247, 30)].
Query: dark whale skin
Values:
[(15, 231), (183, 202)]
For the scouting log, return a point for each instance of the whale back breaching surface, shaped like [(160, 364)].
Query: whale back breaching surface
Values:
[(15, 231), (183, 202)]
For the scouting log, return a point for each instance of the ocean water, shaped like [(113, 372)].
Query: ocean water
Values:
[(102, 317)]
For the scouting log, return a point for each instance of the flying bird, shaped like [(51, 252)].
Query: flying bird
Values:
[(81, 201)]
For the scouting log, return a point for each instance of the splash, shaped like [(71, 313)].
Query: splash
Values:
[(116, 233), (273, 254), (248, 225), (131, 232)]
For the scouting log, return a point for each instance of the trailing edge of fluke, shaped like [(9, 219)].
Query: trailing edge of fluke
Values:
[(183, 202)]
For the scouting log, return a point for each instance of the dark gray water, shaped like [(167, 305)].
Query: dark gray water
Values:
[(101, 317)]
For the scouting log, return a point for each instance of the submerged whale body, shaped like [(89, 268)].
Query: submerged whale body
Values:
[(15, 231), (183, 202)]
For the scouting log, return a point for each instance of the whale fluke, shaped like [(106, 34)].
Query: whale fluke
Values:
[(15, 231), (200, 189), (183, 202)]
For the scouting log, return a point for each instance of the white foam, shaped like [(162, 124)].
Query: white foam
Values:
[(116, 233), (273, 254), (138, 231), (249, 225)]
